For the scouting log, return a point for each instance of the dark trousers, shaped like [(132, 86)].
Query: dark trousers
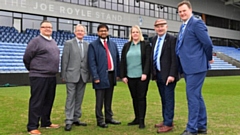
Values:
[(167, 98), (104, 96), (41, 101), (138, 90)]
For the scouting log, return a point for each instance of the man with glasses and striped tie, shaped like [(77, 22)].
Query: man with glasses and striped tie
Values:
[(164, 71)]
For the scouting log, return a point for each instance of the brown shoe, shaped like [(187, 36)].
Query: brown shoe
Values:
[(34, 132), (159, 125), (53, 126), (164, 129)]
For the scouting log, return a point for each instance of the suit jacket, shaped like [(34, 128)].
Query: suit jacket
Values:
[(168, 59), (145, 58), (73, 66), (196, 49), (98, 65)]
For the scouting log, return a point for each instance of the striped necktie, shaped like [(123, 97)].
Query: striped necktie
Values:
[(156, 53), (180, 37)]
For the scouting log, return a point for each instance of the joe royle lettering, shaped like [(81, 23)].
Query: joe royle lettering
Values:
[(78, 12), (56, 8)]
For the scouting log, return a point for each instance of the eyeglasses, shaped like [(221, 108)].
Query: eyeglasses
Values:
[(46, 27), (79, 31), (102, 31)]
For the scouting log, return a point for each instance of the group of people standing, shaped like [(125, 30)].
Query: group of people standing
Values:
[(163, 60)]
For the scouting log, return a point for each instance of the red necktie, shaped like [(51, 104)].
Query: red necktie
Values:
[(108, 55)]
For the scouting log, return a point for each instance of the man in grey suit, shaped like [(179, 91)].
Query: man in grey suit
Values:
[(75, 73)]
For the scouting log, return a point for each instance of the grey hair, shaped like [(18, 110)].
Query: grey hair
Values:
[(80, 25)]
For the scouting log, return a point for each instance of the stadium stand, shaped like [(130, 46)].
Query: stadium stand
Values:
[(119, 16), (230, 51), (13, 45), (221, 64)]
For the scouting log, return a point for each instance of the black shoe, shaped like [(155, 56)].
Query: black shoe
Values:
[(102, 125), (68, 127), (134, 122), (141, 126), (78, 123), (202, 131), (188, 133), (112, 121)]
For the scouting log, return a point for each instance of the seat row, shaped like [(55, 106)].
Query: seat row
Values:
[(230, 51), (13, 63), (220, 64)]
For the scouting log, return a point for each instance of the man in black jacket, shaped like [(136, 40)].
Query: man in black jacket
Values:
[(164, 71)]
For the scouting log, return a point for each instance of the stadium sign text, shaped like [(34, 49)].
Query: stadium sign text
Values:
[(73, 10)]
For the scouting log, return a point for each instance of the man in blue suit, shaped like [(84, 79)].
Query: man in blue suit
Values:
[(103, 60), (194, 52)]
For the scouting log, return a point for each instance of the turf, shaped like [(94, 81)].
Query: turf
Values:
[(221, 94)]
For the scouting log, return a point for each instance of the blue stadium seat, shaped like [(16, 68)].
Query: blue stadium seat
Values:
[(230, 51)]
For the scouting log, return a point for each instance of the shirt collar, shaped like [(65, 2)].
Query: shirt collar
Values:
[(162, 37), (48, 38), (135, 44), (188, 20), (79, 40), (103, 39)]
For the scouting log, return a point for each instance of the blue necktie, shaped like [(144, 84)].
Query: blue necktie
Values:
[(180, 37), (157, 51)]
